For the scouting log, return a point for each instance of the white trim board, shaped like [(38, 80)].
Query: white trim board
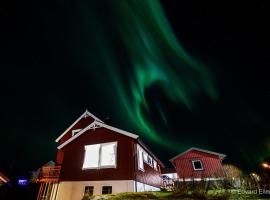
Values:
[(85, 114), (95, 125)]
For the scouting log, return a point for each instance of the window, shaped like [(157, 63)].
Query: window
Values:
[(149, 161), (145, 156), (140, 158), (106, 189), (74, 132), (155, 164), (89, 190), (100, 156), (197, 165), (108, 152)]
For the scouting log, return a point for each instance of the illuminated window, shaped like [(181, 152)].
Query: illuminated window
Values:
[(100, 156), (145, 155), (140, 158), (106, 189), (155, 164), (197, 165), (108, 154), (89, 190)]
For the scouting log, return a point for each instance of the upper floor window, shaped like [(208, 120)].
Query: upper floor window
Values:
[(197, 165), (140, 158), (155, 164), (100, 156)]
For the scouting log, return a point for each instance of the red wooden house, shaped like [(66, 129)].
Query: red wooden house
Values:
[(97, 158), (197, 164)]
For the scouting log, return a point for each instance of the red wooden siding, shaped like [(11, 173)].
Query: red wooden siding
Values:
[(74, 157), (149, 176), (82, 123), (211, 165)]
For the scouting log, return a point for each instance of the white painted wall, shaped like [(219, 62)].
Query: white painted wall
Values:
[(75, 190), (141, 187)]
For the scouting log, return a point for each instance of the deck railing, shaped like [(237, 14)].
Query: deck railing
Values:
[(49, 174)]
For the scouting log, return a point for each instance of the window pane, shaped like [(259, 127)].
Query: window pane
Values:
[(108, 154), (155, 164), (145, 155), (106, 189), (91, 156), (140, 158), (149, 160), (89, 190), (197, 165)]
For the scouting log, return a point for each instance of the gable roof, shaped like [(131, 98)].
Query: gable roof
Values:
[(221, 156), (85, 114), (94, 125)]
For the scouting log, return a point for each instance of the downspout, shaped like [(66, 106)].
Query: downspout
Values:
[(135, 166)]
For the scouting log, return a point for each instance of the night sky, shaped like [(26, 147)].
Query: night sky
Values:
[(177, 73)]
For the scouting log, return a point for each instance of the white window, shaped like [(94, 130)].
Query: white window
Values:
[(145, 156), (100, 155), (108, 152), (140, 158), (155, 164), (197, 165)]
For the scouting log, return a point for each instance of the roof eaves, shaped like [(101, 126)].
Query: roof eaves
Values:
[(85, 114), (90, 126), (132, 135), (141, 143), (222, 156)]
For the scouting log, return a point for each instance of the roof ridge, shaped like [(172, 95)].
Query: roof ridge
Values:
[(198, 149)]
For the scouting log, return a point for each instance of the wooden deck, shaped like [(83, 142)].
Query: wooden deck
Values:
[(49, 174)]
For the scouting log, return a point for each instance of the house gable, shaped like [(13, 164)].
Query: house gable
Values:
[(96, 125), (197, 152), (84, 120)]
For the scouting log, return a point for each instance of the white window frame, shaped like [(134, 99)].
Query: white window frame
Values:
[(99, 157), (155, 165), (140, 160), (193, 161), (151, 161)]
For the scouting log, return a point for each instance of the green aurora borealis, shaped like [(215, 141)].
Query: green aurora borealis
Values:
[(152, 56)]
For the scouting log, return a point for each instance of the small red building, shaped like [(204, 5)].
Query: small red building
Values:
[(197, 164), (97, 158)]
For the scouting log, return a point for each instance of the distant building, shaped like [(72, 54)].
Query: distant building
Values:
[(197, 164), (96, 158), (168, 176)]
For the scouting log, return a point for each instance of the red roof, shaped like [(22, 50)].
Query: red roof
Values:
[(221, 156)]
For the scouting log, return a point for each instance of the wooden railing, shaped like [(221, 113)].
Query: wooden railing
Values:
[(49, 174)]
